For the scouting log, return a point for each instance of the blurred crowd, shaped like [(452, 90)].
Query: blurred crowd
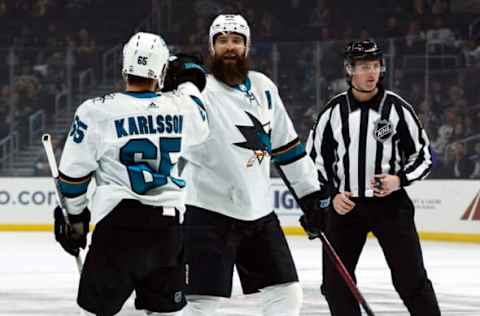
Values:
[(298, 43), (447, 100), (44, 40)]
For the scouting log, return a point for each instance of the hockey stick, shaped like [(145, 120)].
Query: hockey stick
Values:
[(47, 145), (332, 254)]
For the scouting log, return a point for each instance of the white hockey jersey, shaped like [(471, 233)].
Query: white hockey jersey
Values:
[(131, 143), (230, 172)]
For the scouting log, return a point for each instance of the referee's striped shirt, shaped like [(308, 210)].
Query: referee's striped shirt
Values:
[(351, 142)]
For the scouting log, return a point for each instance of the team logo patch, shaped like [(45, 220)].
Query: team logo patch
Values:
[(257, 139), (383, 130)]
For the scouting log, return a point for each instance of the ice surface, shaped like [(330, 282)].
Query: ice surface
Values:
[(38, 278)]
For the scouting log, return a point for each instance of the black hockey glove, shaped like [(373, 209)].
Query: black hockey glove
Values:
[(74, 236), (314, 207), (183, 68)]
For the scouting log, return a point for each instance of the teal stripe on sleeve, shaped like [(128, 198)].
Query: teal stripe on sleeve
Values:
[(291, 155), (72, 189)]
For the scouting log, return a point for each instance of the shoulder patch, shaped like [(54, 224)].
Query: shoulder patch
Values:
[(104, 98)]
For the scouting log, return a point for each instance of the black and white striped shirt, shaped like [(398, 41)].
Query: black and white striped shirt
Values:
[(352, 141)]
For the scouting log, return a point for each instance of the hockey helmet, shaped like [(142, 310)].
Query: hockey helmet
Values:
[(225, 23), (146, 55), (363, 50)]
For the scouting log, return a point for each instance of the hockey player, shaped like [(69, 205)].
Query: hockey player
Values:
[(229, 219), (130, 142), (369, 143)]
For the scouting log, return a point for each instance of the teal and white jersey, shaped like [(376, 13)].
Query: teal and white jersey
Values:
[(230, 172), (130, 142)]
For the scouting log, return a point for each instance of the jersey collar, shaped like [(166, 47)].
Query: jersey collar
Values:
[(244, 87), (373, 103), (141, 94)]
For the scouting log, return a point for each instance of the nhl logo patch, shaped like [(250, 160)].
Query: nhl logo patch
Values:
[(177, 297), (383, 130)]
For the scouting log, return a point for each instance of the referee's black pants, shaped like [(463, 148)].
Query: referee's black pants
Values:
[(391, 219)]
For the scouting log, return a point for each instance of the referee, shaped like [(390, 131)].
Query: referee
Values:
[(368, 144)]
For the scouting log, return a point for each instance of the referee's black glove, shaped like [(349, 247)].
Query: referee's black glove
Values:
[(74, 236), (183, 68), (314, 207)]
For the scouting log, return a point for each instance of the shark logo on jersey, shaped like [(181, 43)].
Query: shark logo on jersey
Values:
[(257, 139)]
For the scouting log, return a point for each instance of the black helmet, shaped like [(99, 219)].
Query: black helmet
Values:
[(362, 50)]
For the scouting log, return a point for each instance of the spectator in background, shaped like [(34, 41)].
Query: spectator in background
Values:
[(86, 50), (56, 67), (443, 167), (392, 28), (320, 15), (463, 167), (206, 8), (197, 38), (465, 6), (21, 8), (459, 130), (437, 97), (414, 38), (266, 27), (475, 158), (472, 51), (419, 8), (456, 98), (44, 8), (3, 8), (77, 4), (445, 132), (471, 123), (325, 34), (416, 93), (429, 118), (27, 89), (398, 82), (440, 33), (5, 111), (440, 7)]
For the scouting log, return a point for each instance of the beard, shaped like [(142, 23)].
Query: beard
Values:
[(231, 73)]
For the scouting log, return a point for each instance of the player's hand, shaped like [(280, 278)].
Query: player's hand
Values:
[(342, 203), (74, 236), (314, 206), (183, 68), (384, 184)]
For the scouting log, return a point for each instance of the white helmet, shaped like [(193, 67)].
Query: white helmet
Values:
[(146, 55), (229, 23)]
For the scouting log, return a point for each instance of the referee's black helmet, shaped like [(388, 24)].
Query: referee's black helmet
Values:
[(363, 50)]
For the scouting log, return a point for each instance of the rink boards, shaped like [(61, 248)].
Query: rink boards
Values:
[(445, 210)]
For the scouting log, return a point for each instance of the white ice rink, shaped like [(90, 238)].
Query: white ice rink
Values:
[(38, 278)]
